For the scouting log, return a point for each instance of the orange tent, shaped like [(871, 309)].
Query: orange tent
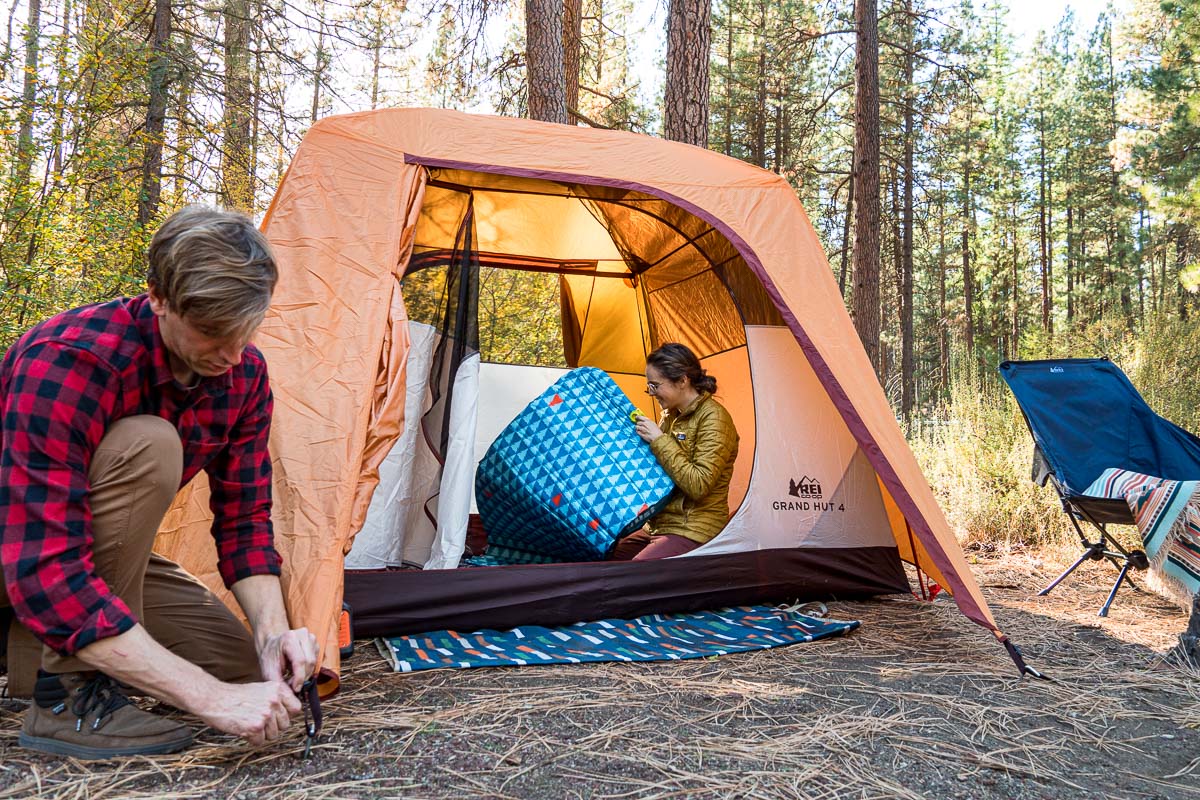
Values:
[(650, 241)]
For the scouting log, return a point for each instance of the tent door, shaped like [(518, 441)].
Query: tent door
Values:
[(418, 514)]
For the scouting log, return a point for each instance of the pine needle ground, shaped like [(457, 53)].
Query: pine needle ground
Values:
[(917, 703)]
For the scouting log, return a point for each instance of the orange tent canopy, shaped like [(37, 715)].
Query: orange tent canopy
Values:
[(344, 223)]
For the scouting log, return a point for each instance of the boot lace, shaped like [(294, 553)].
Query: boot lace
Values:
[(101, 695)]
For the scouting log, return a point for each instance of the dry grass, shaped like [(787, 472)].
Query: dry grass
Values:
[(917, 703)]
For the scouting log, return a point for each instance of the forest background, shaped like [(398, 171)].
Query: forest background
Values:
[(1013, 201)]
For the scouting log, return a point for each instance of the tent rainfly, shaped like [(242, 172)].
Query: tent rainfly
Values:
[(380, 419)]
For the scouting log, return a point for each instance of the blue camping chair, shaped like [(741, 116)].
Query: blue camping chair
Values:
[(1085, 416)]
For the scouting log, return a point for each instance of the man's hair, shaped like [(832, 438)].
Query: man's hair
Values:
[(213, 268)]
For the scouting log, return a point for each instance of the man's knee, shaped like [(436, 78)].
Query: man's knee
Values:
[(145, 449), (186, 618)]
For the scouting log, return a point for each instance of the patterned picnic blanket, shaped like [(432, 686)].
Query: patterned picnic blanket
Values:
[(1168, 515), (655, 637)]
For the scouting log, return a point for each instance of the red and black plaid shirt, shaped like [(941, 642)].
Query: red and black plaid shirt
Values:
[(61, 386)]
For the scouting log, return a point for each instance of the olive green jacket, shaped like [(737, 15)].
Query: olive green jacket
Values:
[(697, 449)]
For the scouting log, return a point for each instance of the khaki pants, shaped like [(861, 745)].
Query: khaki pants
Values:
[(134, 476)]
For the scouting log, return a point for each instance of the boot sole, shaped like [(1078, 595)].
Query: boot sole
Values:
[(61, 748)]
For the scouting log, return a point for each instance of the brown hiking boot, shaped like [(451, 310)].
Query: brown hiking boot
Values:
[(87, 715)]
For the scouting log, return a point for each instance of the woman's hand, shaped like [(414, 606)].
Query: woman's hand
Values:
[(647, 429)]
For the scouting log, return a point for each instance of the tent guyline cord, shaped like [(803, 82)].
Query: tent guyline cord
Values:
[(1013, 651), (310, 702)]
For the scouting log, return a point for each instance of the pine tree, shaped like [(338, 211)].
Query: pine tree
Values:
[(544, 60), (1165, 111), (156, 114), (237, 173), (865, 295), (685, 94)]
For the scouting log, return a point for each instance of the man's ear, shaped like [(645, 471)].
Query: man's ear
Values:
[(157, 304)]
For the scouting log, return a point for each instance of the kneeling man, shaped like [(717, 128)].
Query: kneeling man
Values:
[(107, 411)]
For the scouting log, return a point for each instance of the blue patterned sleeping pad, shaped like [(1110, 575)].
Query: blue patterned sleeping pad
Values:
[(569, 476)]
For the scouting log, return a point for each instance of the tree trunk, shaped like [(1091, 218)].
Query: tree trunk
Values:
[(907, 365), (184, 135), (1182, 246), (1188, 649), (728, 149), (1141, 278), (544, 61), (1016, 283), (156, 114), (29, 89), (319, 66), (943, 332), (685, 95), (572, 39), (1081, 265), (1117, 212), (237, 173), (1162, 278), (1070, 263), (256, 97), (968, 283), (894, 222), (846, 234), (1043, 215), (777, 156), (760, 110), (376, 54), (60, 103), (865, 300)]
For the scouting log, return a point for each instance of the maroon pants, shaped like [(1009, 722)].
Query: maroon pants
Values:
[(641, 546)]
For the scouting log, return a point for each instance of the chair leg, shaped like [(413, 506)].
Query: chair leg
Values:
[(1119, 557), (1113, 594), (1094, 552), (1126, 564)]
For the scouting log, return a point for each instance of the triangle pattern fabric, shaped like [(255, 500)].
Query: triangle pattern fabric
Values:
[(569, 475)]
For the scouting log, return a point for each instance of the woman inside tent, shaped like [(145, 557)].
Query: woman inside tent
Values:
[(696, 445)]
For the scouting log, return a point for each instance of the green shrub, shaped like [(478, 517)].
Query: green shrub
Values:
[(1165, 367), (977, 455)]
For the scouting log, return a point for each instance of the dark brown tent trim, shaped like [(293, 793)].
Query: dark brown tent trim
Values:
[(397, 602)]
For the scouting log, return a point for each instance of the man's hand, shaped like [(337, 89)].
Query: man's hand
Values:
[(283, 655), (289, 657), (257, 712)]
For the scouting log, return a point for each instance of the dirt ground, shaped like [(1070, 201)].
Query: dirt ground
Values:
[(917, 703)]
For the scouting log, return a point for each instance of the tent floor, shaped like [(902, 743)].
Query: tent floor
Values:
[(397, 602)]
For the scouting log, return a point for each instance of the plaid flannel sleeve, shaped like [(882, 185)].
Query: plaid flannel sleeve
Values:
[(240, 480), (59, 403)]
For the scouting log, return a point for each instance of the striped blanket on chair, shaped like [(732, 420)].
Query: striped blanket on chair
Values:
[(1168, 516)]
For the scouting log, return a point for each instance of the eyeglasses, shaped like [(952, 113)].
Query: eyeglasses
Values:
[(652, 387)]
